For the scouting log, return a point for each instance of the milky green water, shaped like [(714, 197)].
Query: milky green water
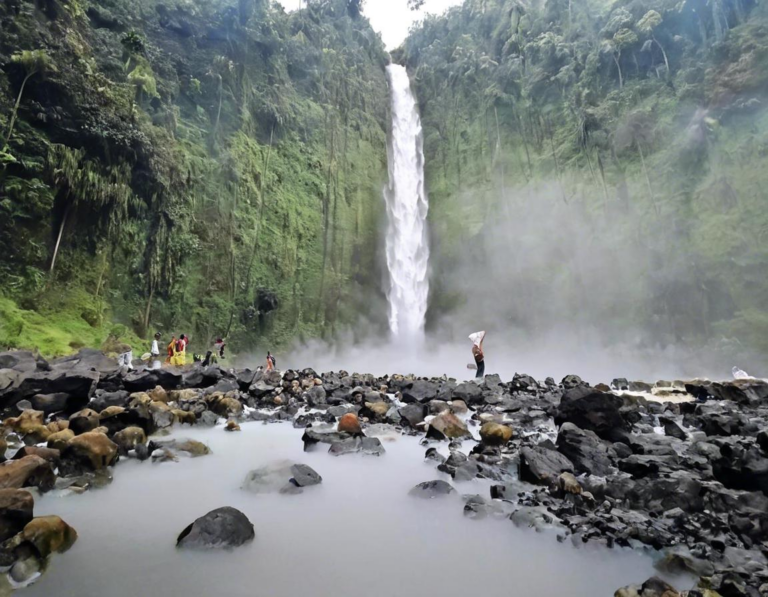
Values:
[(358, 534)]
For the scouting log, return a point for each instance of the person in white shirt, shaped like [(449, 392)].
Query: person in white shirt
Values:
[(125, 357), (155, 352)]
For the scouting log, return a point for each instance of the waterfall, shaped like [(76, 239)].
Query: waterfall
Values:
[(407, 207)]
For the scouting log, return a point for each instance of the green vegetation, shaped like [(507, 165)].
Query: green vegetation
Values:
[(644, 120), (207, 167)]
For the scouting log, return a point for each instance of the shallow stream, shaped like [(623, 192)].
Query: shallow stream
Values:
[(359, 533)]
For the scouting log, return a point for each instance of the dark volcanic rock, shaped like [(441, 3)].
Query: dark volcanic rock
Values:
[(541, 465), (596, 411), (413, 414), (16, 507), (78, 384), (148, 379), (584, 449), (305, 476), (432, 489), (59, 402), (469, 392), (221, 528), (420, 391)]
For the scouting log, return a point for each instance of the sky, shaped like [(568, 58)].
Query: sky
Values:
[(392, 18)]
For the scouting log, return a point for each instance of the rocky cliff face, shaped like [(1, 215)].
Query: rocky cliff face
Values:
[(211, 166)]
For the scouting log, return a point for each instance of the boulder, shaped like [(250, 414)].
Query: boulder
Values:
[(469, 392), (58, 402), (432, 489), (84, 421), (420, 391), (49, 534), (413, 414), (30, 471), (282, 476), (584, 449), (541, 465), (349, 423), (190, 447), (162, 415), (305, 476), (81, 384), (16, 508), (127, 439), (232, 426), (158, 394), (494, 434), (220, 528), (60, 440), (91, 451), (148, 379), (184, 417), (29, 421), (103, 399), (592, 410), (316, 396), (447, 426), (51, 455), (21, 361)]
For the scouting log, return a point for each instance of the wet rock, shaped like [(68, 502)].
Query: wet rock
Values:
[(371, 446), (438, 406), (89, 451), (184, 417), (16, 508), (232, 426), (49, 454), (60, 440), (208, 419), (349, 423), (541, 465), (420, 391), (30, 471), (158, 394), (84, 421), (58, 402), (103, 400), (432, 489), (459, 407), (275, 477), (220, 528), (672, 429), (29, 421), (447, 426), (48, 534), (316, 396), (494, 434), (535, 517), (413, 414), (128, 438), (584, 449), (591, 410), (190, 447)]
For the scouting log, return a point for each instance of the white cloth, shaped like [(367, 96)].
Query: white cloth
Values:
[(125, 359), (477, 338), (156, 364), (155, 350), (739, 374)]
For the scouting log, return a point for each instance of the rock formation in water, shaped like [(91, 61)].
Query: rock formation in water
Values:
[(678, 467)]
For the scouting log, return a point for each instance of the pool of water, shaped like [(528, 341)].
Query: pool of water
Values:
[(359, 533)]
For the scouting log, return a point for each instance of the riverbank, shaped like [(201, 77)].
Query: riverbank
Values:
[(585, 467)]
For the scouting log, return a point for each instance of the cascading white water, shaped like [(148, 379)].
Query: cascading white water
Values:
[(407, 207)]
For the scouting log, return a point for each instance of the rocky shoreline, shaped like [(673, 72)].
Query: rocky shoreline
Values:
[(685, 473)]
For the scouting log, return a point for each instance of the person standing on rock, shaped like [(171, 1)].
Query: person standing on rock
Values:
[(171, 350), (271, 363), (155, 352), (477, 352)]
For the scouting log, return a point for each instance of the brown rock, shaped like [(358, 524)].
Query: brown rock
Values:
[(92, 449), (232, 426), (30, 471), (56, 426), (139, 399), (3, 447), (350, 423), (27, 422), (49, 454), (447, 426), (184, 417), (191, 447), (179, 395), (49, 534), (568, 483), (128, 438), (159, 394), (459, 407), (494, 434), (16, 507), (111, 411), (225, 406), (379, 409), (37, 434), (60, 440), (84, 421)]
